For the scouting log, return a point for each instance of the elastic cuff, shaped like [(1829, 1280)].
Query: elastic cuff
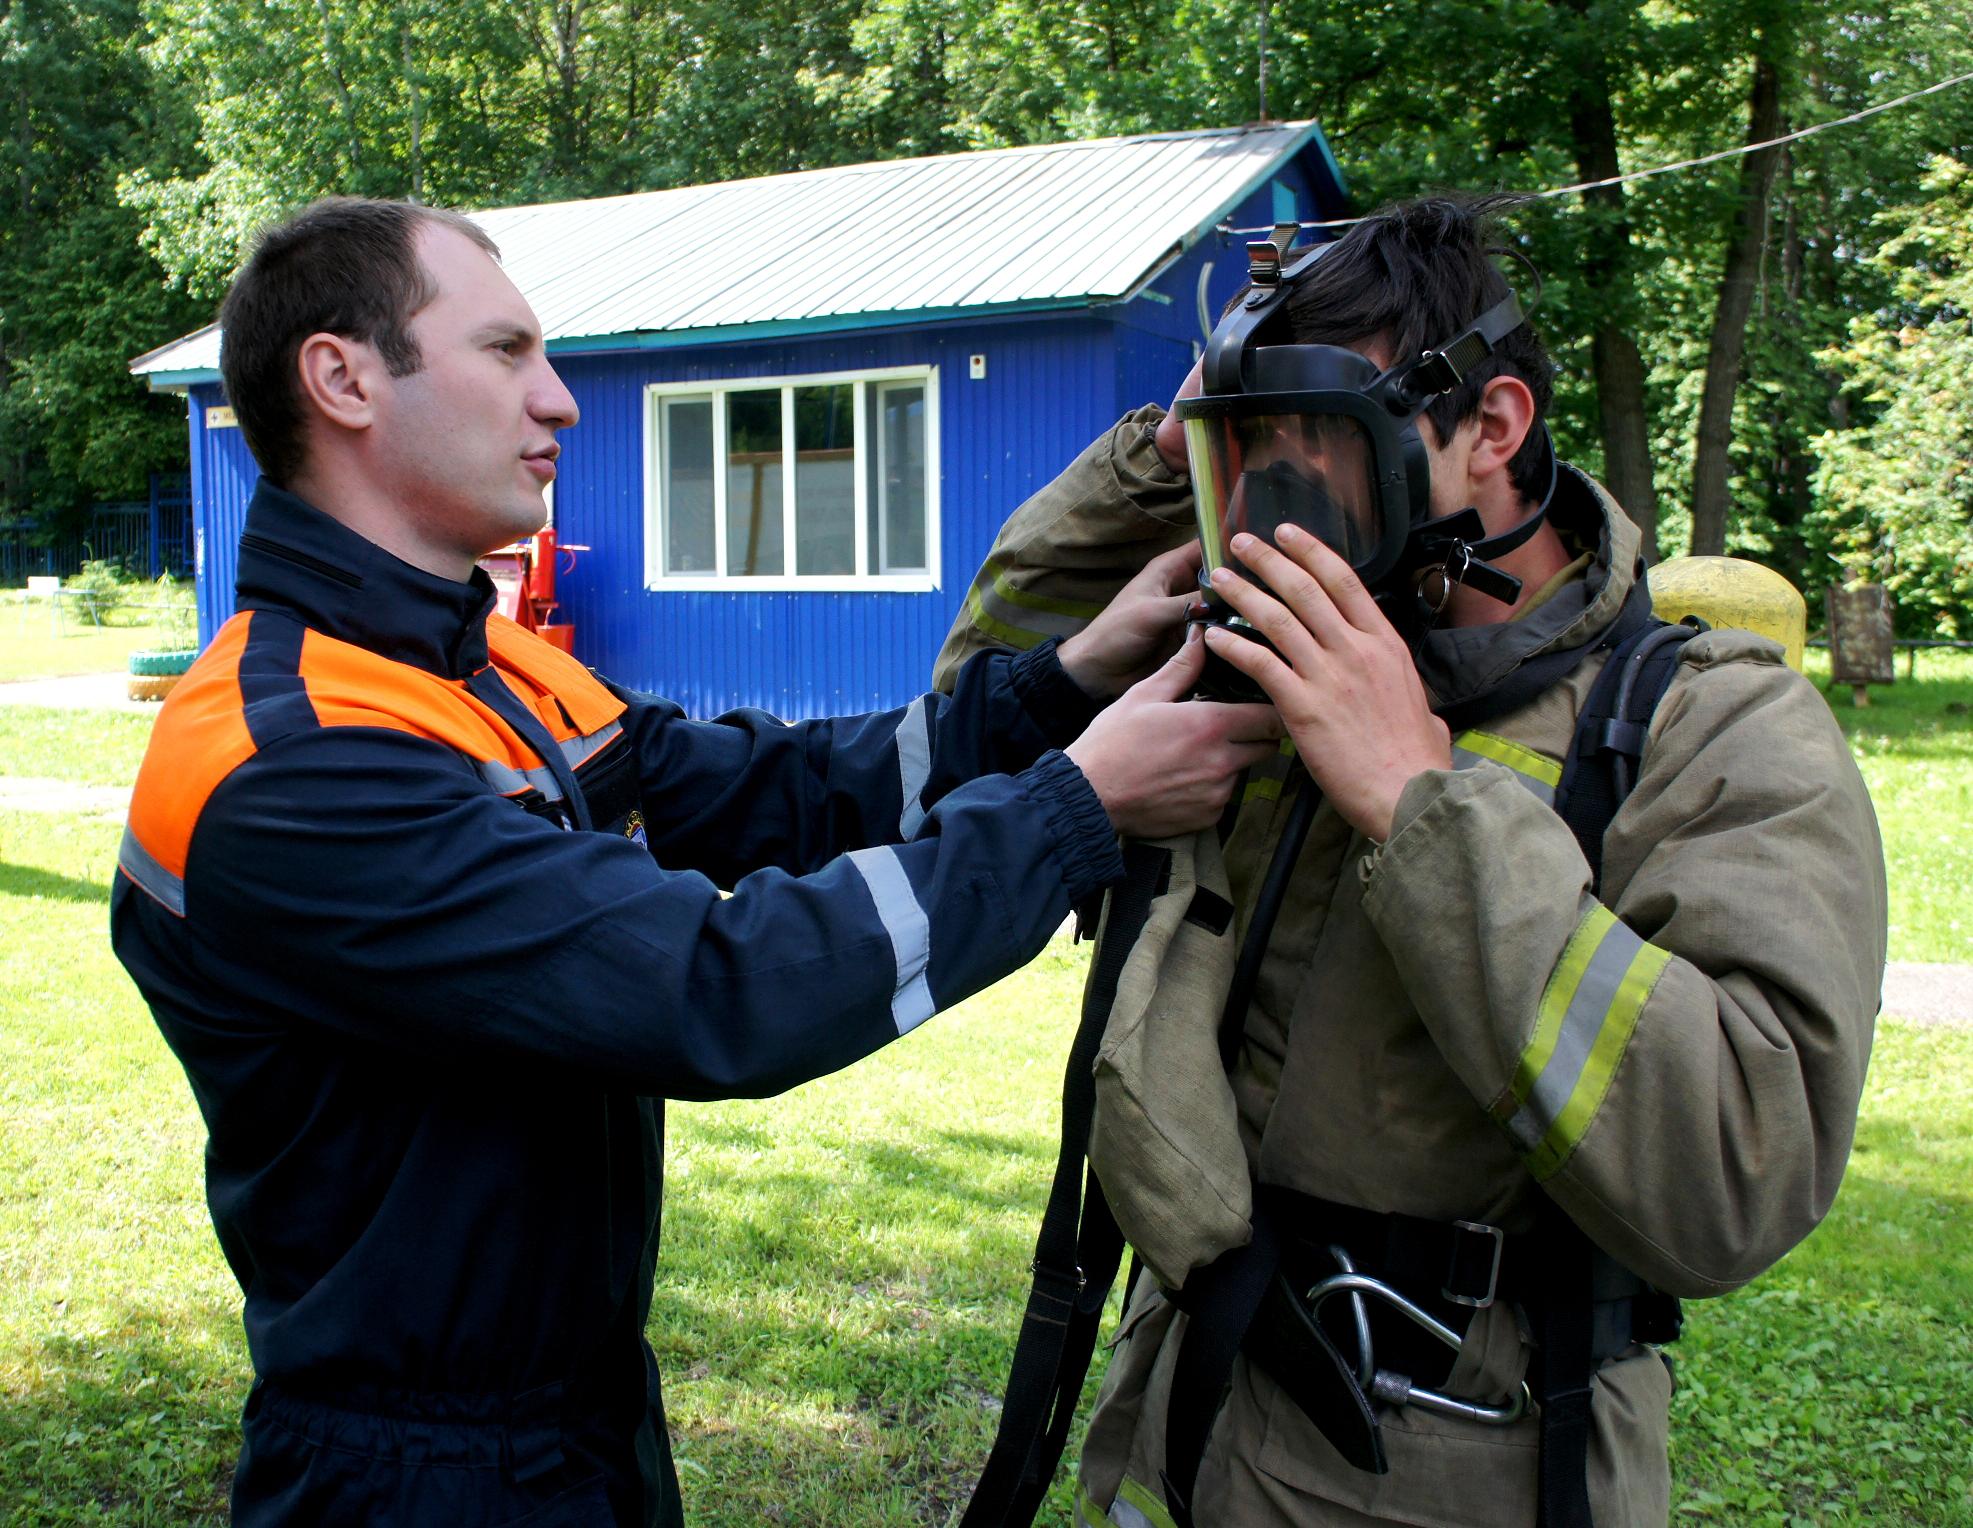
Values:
[(1054, 702), (1085, 841)]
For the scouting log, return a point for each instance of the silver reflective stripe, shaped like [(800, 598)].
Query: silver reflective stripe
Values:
[(1124, 1515), (1594, 999), (914, 765), (910, 931), (136, 862), (576, 749), (510, 781), (1466, 758)]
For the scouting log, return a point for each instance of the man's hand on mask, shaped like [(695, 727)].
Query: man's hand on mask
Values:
[(1343, 680), (1164, 765), (1170, 434), (1138, 629)]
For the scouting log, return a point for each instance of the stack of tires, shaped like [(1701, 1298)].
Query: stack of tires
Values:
[(152, 674)]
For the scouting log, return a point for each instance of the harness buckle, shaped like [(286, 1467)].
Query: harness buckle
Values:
[(1398, 1389), (1468, 1256)]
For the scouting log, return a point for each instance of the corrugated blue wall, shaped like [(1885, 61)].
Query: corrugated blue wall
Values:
[(1053, 380), (223, 474), (1050, 385), (1048, 388)]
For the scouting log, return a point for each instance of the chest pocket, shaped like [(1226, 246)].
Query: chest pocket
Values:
[(610, 790)]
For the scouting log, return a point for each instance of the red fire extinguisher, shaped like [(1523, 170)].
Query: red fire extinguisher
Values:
[(540, 587), (541, 572)]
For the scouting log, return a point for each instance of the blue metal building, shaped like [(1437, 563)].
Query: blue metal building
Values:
[(809, 401)]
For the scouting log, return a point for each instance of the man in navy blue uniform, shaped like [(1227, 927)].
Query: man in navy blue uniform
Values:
[(435, 918)]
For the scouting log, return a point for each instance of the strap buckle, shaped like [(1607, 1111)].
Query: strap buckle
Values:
[(1476, 1247), (1037, 1269)]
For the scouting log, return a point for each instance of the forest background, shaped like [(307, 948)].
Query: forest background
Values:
[(1772, 355)]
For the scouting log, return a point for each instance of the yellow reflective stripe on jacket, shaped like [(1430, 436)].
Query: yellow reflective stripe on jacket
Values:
[(1589, 1010), (1019, 618), (1264, 780), (1539, 773)]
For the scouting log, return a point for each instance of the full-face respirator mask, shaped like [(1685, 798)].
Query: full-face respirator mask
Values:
[(1318, 437)]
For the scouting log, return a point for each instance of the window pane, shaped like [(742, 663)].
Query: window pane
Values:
[(687, 448), (825, 480), (753, 483), (897, 480)]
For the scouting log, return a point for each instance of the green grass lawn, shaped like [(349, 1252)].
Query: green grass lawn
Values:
[(1914, 743), (35, 645), (844, 1266)]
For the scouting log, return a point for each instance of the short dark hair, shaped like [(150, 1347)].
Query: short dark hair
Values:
[(1414, 275), (345, 265)]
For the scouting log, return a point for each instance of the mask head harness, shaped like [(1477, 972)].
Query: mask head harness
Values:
[(1317, 436)]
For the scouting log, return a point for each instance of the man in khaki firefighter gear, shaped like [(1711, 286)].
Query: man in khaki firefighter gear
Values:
[(1470, 1070)]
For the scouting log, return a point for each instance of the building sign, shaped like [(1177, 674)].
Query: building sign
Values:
[(1859, 637), (219, 417)]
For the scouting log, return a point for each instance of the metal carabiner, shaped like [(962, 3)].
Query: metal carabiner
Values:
[(1387, 1385)]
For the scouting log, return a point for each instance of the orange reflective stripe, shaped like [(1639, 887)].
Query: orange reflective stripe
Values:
[(200, 738), (552, 673), (351, 686), (201, 734)]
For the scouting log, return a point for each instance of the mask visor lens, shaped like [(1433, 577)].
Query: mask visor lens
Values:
[(1258, 472)]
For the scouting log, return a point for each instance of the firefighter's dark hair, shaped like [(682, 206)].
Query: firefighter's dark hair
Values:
[(1414, 275), (345, 265)]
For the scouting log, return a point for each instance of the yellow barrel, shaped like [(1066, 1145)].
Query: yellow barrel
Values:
[(1730, 591)]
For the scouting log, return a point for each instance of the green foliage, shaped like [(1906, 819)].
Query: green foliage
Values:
[(149, 137), (77, 294), (1897, 489), (103, 584)]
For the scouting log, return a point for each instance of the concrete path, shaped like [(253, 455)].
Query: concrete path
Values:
[(1922, 994), (32, 793), (1929, 994), (87, 692)]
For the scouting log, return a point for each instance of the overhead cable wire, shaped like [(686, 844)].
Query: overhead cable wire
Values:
[(1683, 164)]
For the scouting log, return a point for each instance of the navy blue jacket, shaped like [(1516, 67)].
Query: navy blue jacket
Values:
[(433, 919)]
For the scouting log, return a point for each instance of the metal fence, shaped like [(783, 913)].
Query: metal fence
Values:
[(147, 536)]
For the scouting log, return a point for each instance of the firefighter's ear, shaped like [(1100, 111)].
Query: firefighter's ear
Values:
[(338, 378)]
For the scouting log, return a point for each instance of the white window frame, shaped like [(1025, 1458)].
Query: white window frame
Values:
[(862, 580)]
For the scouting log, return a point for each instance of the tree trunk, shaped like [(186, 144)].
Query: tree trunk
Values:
[(417, 119), (1607, 272), (1711, 459)]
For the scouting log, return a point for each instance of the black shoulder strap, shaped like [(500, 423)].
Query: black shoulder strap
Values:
[(1597, 775), (1609, 740), (1078, 1248)]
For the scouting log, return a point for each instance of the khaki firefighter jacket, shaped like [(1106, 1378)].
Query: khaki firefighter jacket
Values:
[(1451, 1025)]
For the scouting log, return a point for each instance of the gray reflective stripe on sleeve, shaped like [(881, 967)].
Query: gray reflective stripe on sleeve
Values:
[(1537, 772), (1137, 1507), (577, 749), (1589, 1010), (135, 861), (510, 781), (914, 766), (910, 930)]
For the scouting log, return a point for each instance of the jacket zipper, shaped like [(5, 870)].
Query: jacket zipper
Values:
[(288, 554)]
